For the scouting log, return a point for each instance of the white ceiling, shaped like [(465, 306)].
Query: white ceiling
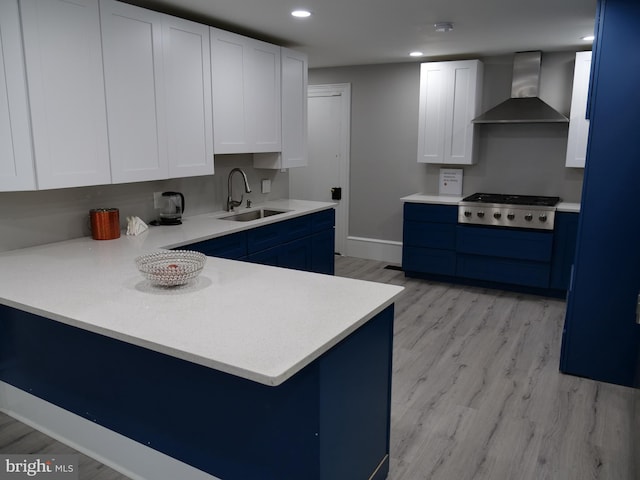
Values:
[(358, 32)]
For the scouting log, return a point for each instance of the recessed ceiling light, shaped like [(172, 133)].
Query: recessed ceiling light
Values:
[(301, 13), (588, 38), (416, 54), (443, 27)]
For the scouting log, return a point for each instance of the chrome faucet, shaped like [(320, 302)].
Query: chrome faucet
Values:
[(230, 201)]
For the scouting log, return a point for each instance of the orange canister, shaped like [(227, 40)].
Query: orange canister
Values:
[(105, 223)]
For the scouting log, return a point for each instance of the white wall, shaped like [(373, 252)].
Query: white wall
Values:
[(36, 218), (521, 159)]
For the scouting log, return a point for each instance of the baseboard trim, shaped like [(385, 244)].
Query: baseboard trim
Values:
[(374, 249), (124, 455)]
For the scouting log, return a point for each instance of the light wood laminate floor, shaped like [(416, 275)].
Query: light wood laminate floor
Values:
[(476, 392)]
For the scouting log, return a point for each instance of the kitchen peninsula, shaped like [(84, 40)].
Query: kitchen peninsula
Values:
[(248, 372)]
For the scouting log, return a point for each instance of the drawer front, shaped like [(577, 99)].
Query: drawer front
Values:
[(506, 243), (265, 237), (232, 246), (504, 270), (296, 228), (431, 235), (323, 220), (422, 212), (274, 234), (428, 260)]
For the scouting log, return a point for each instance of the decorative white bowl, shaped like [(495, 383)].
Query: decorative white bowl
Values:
[(171, 268)]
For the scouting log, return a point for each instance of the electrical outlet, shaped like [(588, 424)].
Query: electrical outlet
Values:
[(266, 186), (156, 199)]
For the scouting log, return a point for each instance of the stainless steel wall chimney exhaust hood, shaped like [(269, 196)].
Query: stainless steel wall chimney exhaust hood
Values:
[(524, 106)]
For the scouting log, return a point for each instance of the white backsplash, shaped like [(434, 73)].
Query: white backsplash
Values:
[(36, 218)]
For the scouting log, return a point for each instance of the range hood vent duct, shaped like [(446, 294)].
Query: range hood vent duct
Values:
[(524, 106)]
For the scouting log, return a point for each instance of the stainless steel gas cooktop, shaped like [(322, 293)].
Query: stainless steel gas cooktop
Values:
[(517, 211)]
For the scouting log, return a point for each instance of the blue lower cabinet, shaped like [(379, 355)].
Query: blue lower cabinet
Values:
[(232, 246), (323, 245), (436, 246), (330, 421), (428, 260), (302, 243), (429, 239)]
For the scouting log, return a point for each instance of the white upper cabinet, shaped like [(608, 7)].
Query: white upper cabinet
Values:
[(246, 94), (578, 124), (450, 94), (16, 157), (294, 114), (132, 40), (63, 57), (158, 84), (187, 97)]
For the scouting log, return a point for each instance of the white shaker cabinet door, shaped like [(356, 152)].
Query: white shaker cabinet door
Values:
[(449, 101), (16, 157), (246, 94), (432, 108), (294, 108), (294, 67), (578, 124), (66, 92), (132, 39), (230, 87), (187, 97), (265, 96)]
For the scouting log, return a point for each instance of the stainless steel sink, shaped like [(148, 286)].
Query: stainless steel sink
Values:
[(253, 215)]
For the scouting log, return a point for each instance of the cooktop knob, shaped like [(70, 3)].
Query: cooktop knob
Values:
[(528, 217), (497, 215), (480, 214), (511, 215), (543, 217), (467, 213)]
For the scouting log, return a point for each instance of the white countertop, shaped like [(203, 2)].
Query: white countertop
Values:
[(258, 322), (452, 200), (424, 198)]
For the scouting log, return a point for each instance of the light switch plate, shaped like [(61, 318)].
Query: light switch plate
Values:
[(266, 186)]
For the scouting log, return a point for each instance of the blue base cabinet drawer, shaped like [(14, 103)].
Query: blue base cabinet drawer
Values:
[(232, 246), (424, 212), (499, 242), (504, 270), (295, 255), (428, 260), (430, 235)]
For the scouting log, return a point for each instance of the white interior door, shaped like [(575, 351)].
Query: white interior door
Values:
[(329, 117)]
